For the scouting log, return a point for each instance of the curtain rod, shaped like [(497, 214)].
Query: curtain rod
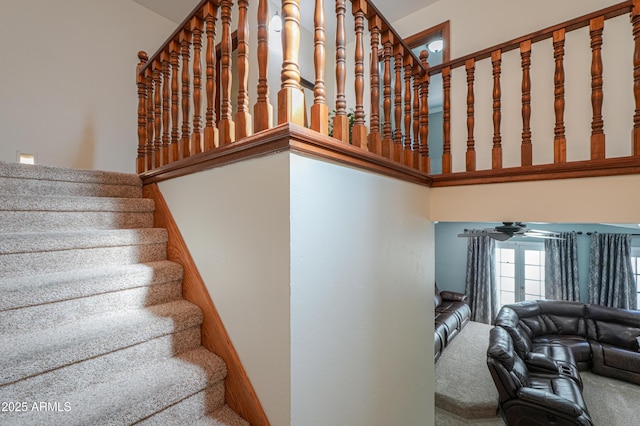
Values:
[(589, 233)]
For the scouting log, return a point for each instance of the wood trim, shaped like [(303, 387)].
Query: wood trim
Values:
[(573, 24), (422, 37), (286, 137), (239, 394), (577, 169)]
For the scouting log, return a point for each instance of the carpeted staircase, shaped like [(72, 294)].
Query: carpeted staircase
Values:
[(93, 327)]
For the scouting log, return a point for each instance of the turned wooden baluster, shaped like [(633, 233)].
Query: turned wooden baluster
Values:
[(319, 109), (496, 152), (359, 131), (424, 116), (416, 118), (185, 141), (290, 97), (635, 19), (148, 73), (166, 103), (341, 120), (210, 13), (397, 111), (243, 119), (596, 27), (407, 154), (263, 110), (375, 137), (226, 127), (157, 113), (526, 151), (446, 120), (470, 66), (174, 147), (196, 137), (387, 141), (142, 113), (559, 141)]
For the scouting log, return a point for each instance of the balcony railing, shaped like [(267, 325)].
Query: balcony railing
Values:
[(195, 93), (183, 111)]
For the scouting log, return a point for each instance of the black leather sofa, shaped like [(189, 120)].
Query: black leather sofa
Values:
[(451, 315), (556, 340)]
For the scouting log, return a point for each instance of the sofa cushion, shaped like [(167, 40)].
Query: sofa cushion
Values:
[(613, 326), (578, 345)]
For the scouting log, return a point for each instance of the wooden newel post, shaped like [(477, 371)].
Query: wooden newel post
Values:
[(263, 110), (319, 109), (424, 116), (142, 113), (635, 19), (359, 130), (290, 97)]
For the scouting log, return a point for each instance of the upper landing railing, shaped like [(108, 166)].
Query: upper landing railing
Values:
[(492, 109), (183, 111)]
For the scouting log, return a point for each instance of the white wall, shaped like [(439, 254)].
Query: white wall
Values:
[(478, 25), (235, 221), (361, 298), (587, 200), (323, 276), (68, 92)]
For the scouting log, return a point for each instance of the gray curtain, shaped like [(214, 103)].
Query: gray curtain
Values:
[(611, 281), (480, 286), (561, 268)]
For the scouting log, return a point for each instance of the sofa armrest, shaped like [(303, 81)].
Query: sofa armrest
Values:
[(549, 400), (541, 361), (452, 295)]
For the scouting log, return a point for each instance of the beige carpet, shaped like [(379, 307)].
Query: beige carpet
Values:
[(465, 393)]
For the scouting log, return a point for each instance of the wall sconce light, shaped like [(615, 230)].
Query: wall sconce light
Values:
[(436, 45), (276, 23)]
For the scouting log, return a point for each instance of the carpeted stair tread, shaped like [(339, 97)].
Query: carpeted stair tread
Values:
[(32, 242), (25, 354), (191, 409), (37, 214), (133, 395), (224, 416), (31, 187), (24, 254), (54, 173), (32, 290), (50, 385), (75, 204), (50, 315)]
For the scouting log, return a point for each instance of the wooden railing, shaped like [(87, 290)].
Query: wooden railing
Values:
[(179, 116), (527, 170)]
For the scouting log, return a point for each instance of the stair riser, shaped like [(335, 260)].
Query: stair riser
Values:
[(78, 376), (67, 260), (191, 409), (19, 292), (56, 314), (28, 187), (25, 361), (11, 221)]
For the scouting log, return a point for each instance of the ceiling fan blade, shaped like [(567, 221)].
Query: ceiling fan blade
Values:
[(546, 236), (540, 231), (488, 233)]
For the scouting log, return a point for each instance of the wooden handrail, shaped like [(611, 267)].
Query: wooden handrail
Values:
[(534, 37)]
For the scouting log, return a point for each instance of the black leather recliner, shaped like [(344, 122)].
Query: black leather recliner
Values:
[(528, 398), (452, 313)]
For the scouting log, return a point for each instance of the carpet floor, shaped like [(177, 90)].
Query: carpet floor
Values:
[(465, 393)]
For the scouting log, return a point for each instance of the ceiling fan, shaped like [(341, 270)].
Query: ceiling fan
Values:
[(510, 229)]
